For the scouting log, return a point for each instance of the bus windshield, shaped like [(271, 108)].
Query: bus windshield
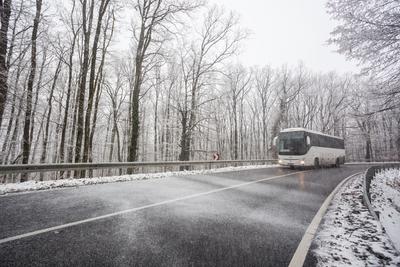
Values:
[(292, 143)]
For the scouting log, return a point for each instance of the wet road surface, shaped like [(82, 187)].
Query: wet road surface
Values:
[(250, 217)]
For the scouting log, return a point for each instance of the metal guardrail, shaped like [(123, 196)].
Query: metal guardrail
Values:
[(40, 168), (372, 162), (368, 176)]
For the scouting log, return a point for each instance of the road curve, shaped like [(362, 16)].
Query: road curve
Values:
[(251, 217)]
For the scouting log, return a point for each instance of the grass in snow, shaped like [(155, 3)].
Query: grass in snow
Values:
[(385, 196), (350, 236)]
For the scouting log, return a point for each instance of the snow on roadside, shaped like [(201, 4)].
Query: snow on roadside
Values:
[(45, 185), (349, 235), (385, 196)]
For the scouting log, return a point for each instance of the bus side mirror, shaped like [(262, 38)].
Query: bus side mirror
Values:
[(308, 141), (275, 140)]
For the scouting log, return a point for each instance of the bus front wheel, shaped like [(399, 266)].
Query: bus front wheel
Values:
[(337, 165), (316, 163)]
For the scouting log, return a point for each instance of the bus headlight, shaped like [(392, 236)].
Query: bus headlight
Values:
[(280, 161), (302, 162)]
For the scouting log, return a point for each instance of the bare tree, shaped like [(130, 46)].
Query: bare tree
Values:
[(263, 85), (117, 97), (100, 78), (92, 79), (288, 90), (360, 107), (219, 39), (21, 65), (74, 31), (87, 20), (238, 79), (49, 112), (26, 137), (154, 18), (367, 32)]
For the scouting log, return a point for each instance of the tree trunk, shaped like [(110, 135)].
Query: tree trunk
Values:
[(38, 87), (235, 132), (155, 125), (185, 141), (69, 87), (92, 84), (12, 116), (398, 139), (368, 149), (94, 119), (13, 141), (143, 43), (82, 84), (73, 130), (50, 100), (56, 150), (39, 132), (133, 144), (5, 13), (28, 111)]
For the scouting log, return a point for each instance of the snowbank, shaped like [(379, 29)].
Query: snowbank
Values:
[(45, 185), (385, 196), (349, 235)]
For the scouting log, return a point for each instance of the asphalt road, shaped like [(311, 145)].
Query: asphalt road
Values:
[(223, 219)]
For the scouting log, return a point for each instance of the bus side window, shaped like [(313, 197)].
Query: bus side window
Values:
[(318, 140), (322, 141), (332, 142), (314, 140), (327, 142)]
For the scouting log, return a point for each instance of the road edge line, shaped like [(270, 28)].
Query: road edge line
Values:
[(304, 246)]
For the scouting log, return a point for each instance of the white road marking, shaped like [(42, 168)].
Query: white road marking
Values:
[(302, 250), (58, 227)]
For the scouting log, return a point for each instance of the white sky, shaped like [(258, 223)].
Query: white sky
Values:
[(288, 31)]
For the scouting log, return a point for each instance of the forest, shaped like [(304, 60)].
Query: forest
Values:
[(160, 80)]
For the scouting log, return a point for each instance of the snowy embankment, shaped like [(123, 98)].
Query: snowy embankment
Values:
[(349, 234), (45, 185), (385, 198)]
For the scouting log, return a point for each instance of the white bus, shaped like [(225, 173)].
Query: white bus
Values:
[(302, 147)]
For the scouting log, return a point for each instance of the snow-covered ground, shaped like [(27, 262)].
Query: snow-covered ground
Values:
[(45, 185), (385, 196), (350, 236)]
